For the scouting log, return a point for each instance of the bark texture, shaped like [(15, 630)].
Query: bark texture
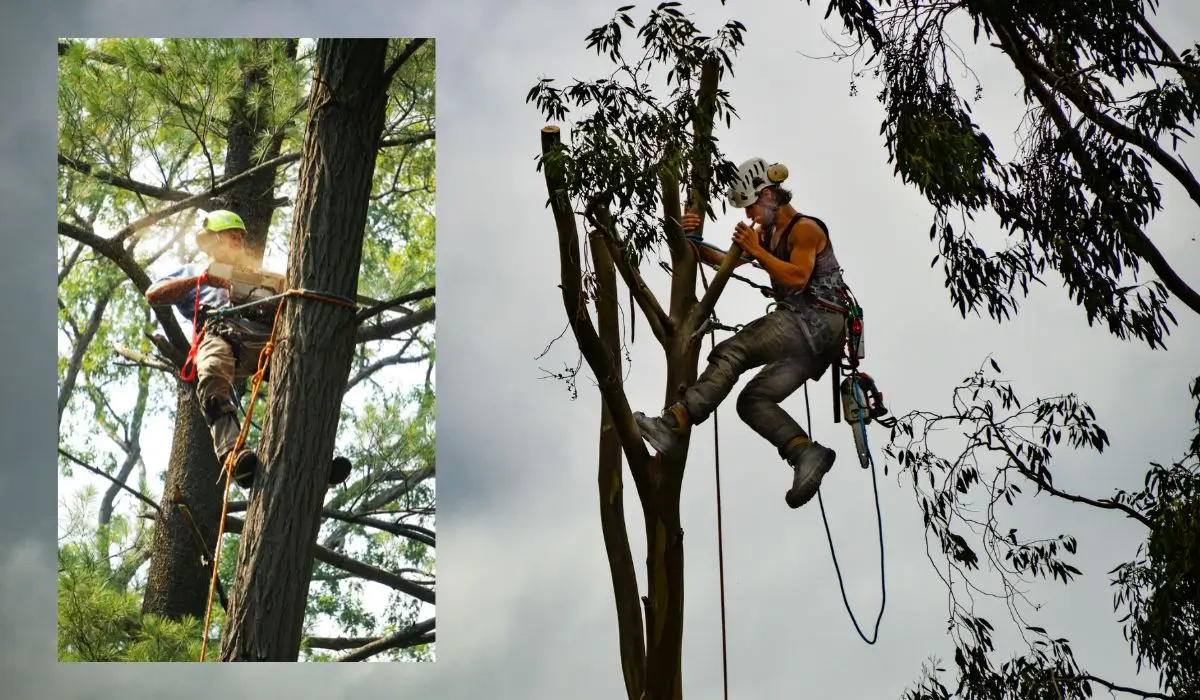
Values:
[(178, 579), (311, 360)]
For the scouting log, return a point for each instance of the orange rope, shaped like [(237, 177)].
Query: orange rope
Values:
[(264, 359)]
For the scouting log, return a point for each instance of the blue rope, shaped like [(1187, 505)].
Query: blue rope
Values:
[(878, 517)]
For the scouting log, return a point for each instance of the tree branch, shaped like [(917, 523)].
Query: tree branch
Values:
[(411, 140), (1028, 473), (1185, 71), (393, 303), (82, 341), (574, 301), (123, 182), (140, 496), (699, 195), (413, 532), (112, 249), (1124, 689), (1136, 238), (143, 359), (1115, 128), (70, 263), (409, 49), (420, 633), (388, 329), (612, 511), (358, 568), (397, 359), (202, 198), (660, 323), (131, 445)]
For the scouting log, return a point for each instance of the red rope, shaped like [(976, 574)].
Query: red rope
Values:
[(188, 372)]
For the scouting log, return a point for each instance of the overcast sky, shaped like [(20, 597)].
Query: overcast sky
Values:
[(525, 603)]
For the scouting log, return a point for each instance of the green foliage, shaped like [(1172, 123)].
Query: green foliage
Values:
[(99, 621), (632, 142), (1160, 587), (966, 504), (1080, 192)]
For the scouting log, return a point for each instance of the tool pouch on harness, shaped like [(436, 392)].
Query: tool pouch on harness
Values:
[(250, 328)]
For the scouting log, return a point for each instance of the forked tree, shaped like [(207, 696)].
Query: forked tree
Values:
[(1077, 199), (631, 167)]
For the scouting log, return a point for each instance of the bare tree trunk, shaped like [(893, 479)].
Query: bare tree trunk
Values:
[(652, 664), (314, 346)]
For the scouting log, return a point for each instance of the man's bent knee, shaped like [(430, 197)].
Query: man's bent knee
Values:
[(748, 400), (730, 353)]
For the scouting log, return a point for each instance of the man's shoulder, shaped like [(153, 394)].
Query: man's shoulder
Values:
[(808, 227)]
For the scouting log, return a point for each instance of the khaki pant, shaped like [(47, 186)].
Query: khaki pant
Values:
[(218, 363)]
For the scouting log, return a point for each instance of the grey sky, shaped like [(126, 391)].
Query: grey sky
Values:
[(526, 607)]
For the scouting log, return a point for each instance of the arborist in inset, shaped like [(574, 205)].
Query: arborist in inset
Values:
[(229, 344), (795, 342)]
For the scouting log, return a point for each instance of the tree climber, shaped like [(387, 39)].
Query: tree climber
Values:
[(229, 346), (797, 341)]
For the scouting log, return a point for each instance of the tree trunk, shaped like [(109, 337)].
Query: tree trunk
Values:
[(178, 579), (314, 346), (178, 585)]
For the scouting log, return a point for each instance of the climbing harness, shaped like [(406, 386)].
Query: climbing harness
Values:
[(263, 362)]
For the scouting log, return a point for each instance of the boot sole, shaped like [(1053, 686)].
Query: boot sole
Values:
[(806, 492)]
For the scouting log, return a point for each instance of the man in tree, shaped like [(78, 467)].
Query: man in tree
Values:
[(229, 346), (796, 342)]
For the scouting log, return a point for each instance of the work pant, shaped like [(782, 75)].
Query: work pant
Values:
[(795, 346), (220, 360)]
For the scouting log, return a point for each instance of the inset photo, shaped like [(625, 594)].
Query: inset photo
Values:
[(246, 288)]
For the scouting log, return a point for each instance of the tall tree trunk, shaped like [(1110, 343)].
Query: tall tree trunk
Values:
[(177, 583), (178, 580), (314, 347)]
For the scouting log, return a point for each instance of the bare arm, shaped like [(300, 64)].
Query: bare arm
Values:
[(807, 239), (708, 255), (169, 292)]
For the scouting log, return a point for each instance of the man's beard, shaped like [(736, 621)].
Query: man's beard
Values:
[(768, 228)]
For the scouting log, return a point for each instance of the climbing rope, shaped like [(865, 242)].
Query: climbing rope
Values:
[(713, 325), (878, 520), (720, 535), (264, 359)]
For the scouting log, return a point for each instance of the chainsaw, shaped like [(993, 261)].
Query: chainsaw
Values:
[(249, 285), (857, 395)]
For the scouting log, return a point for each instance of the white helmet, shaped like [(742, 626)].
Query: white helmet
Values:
[(753, 177)]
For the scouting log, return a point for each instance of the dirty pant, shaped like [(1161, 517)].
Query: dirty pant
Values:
[(218, 364), (794, 346)]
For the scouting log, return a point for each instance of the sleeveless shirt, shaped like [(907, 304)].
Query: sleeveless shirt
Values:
[(825, 284)]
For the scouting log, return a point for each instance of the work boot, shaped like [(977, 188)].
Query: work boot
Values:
[(811, 462), (339, 471), (244, 467), (247, 466), (662, 432)]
